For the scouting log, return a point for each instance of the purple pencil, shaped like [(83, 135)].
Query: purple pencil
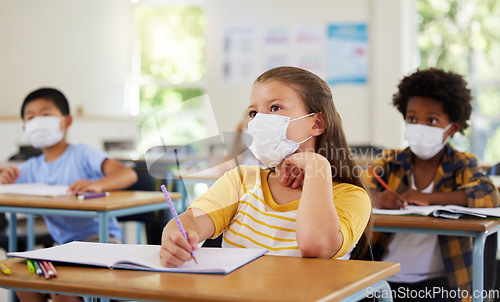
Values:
[(176, 217), (44, 270)]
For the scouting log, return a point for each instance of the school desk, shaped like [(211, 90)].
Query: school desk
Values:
[(478, 229), (118, 203), (268, 278)]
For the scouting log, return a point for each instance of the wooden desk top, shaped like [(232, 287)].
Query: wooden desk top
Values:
[(116, 200), (425, 222), (269, 278)]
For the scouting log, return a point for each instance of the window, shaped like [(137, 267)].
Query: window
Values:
[(169, 68), (464, 36)]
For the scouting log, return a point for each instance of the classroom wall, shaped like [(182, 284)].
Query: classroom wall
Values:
[(367, 114), (80, 47), (84, 48)]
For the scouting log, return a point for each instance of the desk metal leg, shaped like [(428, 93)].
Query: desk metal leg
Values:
[(477, 267), (139, 228), (30, 232), (182, 183), (103, 218), (13, 232), (92, 299), (380, 290)]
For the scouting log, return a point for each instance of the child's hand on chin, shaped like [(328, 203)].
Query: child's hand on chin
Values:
[(292, 177)]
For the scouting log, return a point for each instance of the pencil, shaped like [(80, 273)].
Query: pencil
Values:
[(380, 180), (5, 270), (47, 268), (38, 270), (176, 217), (31, 268), (52, 268), (45, 273), (83, 196)]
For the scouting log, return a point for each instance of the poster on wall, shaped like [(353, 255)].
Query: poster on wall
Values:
[(238, 54), (301, 45), (347, 53)]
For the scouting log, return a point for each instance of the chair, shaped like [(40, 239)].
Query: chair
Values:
[(216, 242), (495, 170), (153, 221)]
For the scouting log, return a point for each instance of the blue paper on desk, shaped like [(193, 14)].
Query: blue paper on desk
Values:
[(143, 257)]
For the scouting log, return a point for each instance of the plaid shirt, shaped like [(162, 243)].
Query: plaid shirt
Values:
[(458, 171)]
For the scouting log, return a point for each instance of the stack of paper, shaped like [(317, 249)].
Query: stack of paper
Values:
[(34, 189), (449, 211)]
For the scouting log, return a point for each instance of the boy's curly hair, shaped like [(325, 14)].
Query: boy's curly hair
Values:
[(448, 88)]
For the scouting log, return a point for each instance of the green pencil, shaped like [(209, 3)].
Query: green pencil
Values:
[(31, 268), (38, 270)]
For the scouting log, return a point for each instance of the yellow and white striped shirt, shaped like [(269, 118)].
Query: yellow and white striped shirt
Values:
[(240, 205)]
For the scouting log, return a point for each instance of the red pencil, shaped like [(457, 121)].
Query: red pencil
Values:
[(380, 180), (52, 268), (48, 268)]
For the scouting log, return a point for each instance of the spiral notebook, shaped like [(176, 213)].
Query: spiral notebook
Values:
[(143, 257)]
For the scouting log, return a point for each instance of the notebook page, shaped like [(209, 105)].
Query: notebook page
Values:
[(34, 189), (143, 257), (210, 260), (91, 253), (416, 210)]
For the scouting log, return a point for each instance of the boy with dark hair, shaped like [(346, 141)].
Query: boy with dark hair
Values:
[(435, 105), (46, 117)]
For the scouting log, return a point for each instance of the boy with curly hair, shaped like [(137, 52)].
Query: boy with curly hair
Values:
[(435, 105)]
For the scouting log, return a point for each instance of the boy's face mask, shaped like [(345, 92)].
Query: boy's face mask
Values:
[(269, 142), (425, 141), (43, 131)]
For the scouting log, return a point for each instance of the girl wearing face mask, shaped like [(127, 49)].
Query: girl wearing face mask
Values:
[(435, 105), (294, 129)]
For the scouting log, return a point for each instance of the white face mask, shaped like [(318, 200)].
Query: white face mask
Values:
[(43, 131), (269, 142), (425, 141)]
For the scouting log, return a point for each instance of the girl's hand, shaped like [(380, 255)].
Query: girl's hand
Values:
[(9, 175), (417, 198), (302, 161), (292, 176), (175, 249), (294, 166), (85, 185), (391, 200)]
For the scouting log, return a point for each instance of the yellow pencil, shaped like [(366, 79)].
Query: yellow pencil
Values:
[(5, 270)]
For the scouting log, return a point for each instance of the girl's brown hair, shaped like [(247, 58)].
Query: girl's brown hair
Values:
[(317, 98)]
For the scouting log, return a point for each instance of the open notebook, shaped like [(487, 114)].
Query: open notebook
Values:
[(449, 211), (34, 189), (143, 257)]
